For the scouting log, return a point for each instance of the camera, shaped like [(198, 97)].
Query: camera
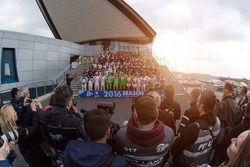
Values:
[(9, 136), (29, 100), (109, 107)]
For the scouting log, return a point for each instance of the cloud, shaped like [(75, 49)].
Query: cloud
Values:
[(210, 36), (23, 16)]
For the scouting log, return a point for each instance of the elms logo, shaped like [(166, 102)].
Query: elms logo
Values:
[(89, 93), (161, 147)]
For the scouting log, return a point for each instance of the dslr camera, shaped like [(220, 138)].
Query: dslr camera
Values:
[(29, 100), (9, 136), (109, 107)]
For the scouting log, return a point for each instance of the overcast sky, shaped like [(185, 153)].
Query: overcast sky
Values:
[(205, 36)]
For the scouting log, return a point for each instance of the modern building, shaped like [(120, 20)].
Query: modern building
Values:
[(80, 28), (27, 59)]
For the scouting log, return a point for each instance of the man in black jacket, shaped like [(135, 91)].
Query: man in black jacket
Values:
[(227, 110), (59, 124), (170, 105), (195, 143), (17, 104), (30, 137), (95, 151)]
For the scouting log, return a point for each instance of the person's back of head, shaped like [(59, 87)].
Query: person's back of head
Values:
[(24, 92), (8, 118), (195, 94), (228, 88), (146, 109), (63, 95), (97, 123), (244, 90), (14, 93), (156, 97), (169, 90), (169, 93), (206, 104)]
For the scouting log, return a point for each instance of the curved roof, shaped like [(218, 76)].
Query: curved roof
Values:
[(83, 21)]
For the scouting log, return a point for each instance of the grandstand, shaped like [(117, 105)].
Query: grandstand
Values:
[(113, 24)]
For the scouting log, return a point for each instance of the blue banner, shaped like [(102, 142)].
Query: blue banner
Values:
[(110, 94)]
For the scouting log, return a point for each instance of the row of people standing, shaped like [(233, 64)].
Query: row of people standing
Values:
[(234, 120), (22, 114), (119, 81), (120, 71), (60, 125), (143, 141)]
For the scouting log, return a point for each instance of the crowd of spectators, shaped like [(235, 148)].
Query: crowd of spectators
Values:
[(121, 71), (211, 133)]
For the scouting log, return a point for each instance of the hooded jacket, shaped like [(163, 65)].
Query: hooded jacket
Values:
[(84, 153), (144, 148)]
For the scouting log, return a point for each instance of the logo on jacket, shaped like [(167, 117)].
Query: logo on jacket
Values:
[(56, 137), (89, 93), (128, 149), (205, 145), (161, 147)]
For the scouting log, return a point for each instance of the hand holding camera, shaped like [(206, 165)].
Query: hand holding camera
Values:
[(4, 150), (35, 104), (27, 101)]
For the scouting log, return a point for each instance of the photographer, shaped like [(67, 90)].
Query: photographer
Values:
[(95, 151), (17, 103), (29, 146), (26, 108), (8, 123), (29, 136), (59, 124)]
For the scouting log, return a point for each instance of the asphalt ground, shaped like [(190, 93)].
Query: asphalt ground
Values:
[(122, 112)]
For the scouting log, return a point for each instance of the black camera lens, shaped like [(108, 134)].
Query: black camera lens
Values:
[(29, 101), (9, 136)]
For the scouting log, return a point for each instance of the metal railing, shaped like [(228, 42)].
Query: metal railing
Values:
[(41, 88), (60, 80)]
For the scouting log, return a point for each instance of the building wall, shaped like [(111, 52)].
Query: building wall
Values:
[(40, 58)]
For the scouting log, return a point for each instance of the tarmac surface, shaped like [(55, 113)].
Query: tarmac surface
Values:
[(122, 112)]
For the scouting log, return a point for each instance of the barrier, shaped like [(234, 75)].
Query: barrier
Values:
[(110, 94)]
